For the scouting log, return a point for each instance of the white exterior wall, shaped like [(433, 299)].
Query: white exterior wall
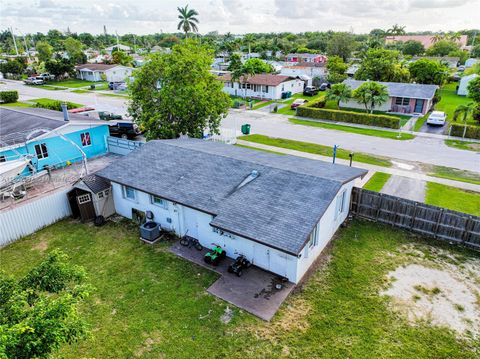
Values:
[(198, 225), (118, 74), (354, 104), (295, 71), (274, 92), (462, 87), (89, 75), (328, 225)]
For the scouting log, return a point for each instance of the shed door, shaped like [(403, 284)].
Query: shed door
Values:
[(85, 205), (278, 263)]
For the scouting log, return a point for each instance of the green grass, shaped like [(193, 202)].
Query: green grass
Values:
[(16, 104), (114, 95), (453, 198), (450, 101), (377, 181), (358, 130), (74, 83), (46, 101), (51, 88), (260, 149), (332, 105), (420, 122), (262, 104), (148, 303), (464, 145), (316, 149), (81, 91), (455, 174)]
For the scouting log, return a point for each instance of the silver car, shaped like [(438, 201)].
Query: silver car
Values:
[(437, 118)]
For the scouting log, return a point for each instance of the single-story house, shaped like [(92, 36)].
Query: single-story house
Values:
[(352, 70), (426, 40), (463, 85), (450, 61), (262, 86), (403, 97), (119, 47), (50, 138), (301, 70), (94, 72), (471, 62), (313, 58), (278, 211)]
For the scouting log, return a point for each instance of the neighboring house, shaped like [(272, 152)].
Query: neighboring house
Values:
[(404, 97), (309, 58), (352, 69), (263, 86), (471, 62), (94, 72), (426, 40), (451, 61), (52, 140), (301, 70), (278, 211), (120, 47), (462, 86)]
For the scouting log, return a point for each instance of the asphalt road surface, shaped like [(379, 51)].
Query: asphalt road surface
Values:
[(432, 129), (409, 188)]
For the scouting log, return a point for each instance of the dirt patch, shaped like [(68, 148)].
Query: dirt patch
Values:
[(148, 345), (444, 296), (41, 244)]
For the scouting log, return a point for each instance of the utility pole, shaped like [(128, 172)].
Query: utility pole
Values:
[(14, 41)]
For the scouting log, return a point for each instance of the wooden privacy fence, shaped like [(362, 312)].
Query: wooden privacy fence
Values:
[(421, 218)]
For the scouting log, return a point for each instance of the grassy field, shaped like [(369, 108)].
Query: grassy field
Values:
[(358, 130), (316, 149), (148, 303), (420, 121), (464, 145), (81, 91), (450, 101), (260, 149), (377, 181), (16, 104), (50, 87), (455, 174), (453, 198), (74, 83)]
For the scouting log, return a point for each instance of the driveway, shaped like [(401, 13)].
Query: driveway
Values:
[(255, 291), (404, 187), (439, 130)]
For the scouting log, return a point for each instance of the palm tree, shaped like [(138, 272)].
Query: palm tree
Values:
[(188, 21), (464, 111), (248, 39), (371, 94), (454, 36), (339, 93), (436, 38), (396, 30)]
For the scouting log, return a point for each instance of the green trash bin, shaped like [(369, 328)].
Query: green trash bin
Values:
[(246, 129), (289, 94)]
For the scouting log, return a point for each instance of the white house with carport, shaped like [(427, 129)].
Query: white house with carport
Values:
[(95, 72), (404, 98), (278, 211), (463, 85), (262, 86)]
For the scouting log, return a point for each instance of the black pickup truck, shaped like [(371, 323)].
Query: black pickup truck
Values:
[(123, 129)]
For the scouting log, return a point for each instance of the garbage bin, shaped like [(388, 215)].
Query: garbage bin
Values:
[(284, 95), (246, 129), (289, 94), (92, 87)]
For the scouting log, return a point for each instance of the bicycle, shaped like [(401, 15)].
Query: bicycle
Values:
[(190, 242)]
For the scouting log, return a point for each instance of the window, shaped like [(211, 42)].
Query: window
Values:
[(313, 240), (84, 198), (402, 101), (159, 202), (129, 192), (107, 192), (41, 151), (85, 138), (2, 159), (341, 199)]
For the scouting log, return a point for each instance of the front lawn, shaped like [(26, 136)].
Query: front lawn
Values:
[(453, 198), (455, 174), (148, 303), (377, 181), (316, 149), (74, 83), (450, 101), (358, 130), (463, 145)]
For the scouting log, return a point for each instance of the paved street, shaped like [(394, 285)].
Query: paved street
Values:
[(430, 150)]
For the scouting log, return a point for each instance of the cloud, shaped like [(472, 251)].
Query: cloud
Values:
[(434, 4)]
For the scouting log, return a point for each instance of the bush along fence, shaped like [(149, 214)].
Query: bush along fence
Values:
[(421, 218), (315, 110), (8, 96), (465, 131)]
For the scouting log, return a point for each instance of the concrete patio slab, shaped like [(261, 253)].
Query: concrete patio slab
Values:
[(255, 291)]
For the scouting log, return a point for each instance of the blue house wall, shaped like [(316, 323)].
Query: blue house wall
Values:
[(60, 151)]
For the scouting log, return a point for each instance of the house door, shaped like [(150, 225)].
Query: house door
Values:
[(419, 105)]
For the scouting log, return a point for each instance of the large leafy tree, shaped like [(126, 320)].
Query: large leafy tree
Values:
[(45, 51), (122, 58), (442, 48), (176, 94), (59, 67), (371, 94), (425, 71), (339, 93), (382, 65), (413, 48), (39, 312), (341, 44), (235, 63), (336, 69), (473, 89), (188, 21)]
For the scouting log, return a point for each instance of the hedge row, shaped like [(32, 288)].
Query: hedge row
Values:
[(313, 111), (55, 105), (8, 96), (472, 131)]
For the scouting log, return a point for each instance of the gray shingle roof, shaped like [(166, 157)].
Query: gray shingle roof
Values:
[(279, 208), (95, 183), (398, 89)]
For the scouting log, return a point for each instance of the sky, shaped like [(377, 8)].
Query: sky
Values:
[(238, 16)]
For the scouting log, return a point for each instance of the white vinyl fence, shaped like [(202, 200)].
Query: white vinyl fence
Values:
[(27, 218)]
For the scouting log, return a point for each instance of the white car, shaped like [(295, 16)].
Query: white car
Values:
[(34, 81), (437, 118)]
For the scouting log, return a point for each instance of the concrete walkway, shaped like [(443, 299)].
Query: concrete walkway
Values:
[(371, 168), (405, 187)]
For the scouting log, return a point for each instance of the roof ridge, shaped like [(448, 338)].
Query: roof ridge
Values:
[(26, 112)]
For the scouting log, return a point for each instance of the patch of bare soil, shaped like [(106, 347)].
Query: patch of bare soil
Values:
[(441, 290), (41, 244), (148, 345)]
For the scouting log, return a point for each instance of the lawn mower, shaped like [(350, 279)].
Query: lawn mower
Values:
[(215, 255), (240, 264)]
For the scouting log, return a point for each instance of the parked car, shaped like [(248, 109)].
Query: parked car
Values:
[(121, 87), (324, 86), (114, 85), (437, 118), (34, 81), (46, 77), (125, 130), (298, 102), (108, 116), (310, 91), (461, 68)]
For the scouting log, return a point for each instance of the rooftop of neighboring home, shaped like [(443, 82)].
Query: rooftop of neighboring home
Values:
[(119, 47), (426, 40), (96, 67), (17, 124), (399, 89), (307, 55), (260, 79), (272, 199)]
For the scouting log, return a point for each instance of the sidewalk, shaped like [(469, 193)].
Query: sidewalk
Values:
[(370, 168)]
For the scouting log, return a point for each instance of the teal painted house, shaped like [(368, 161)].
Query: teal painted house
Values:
[(49, 139)]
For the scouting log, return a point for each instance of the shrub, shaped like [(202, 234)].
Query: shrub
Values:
[(8, 96), (471, 132), (318, 104), (55, 105), (313, 111)]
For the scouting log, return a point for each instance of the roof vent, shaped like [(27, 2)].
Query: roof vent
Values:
[(65, 111), (253, 175)]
